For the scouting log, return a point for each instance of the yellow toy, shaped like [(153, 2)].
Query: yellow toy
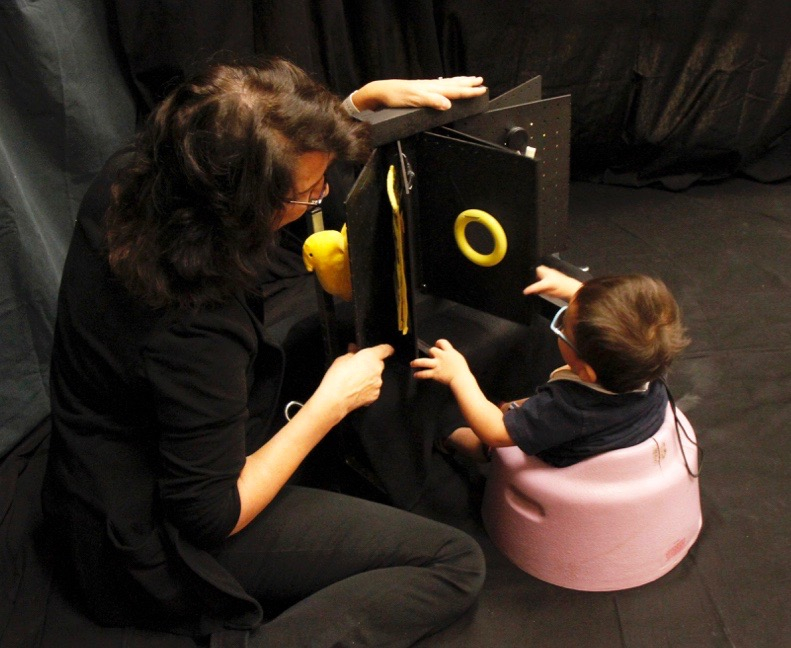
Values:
[(326, 253), (494, 228)]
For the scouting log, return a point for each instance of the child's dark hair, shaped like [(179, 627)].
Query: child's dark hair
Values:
[(628, 328)]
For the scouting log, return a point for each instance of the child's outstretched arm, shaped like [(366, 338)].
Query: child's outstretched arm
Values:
[(553, 283), (448, 366)]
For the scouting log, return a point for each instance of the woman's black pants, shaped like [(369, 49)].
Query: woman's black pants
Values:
[(333, 570)]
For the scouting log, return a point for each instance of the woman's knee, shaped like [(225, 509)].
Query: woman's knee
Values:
[(464, 564)]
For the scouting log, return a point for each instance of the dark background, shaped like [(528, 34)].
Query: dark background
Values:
[(688, 101)]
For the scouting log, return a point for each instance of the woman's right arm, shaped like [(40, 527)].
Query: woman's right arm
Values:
[(196, 370), (352, 381)]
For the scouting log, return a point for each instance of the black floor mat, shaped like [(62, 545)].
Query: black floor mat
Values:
[(724, 251)]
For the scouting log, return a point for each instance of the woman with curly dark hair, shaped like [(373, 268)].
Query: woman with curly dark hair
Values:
[(168, 479)]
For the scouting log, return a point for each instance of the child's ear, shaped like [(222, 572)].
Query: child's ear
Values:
[(586, 372)]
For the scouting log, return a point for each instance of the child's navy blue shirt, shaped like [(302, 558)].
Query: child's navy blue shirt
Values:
[(569, 420)]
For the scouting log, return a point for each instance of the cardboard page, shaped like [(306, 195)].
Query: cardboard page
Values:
[(372, 256), (453, 176), (545, 127)]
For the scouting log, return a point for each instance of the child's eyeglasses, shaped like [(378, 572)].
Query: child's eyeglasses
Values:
[(556, 326)]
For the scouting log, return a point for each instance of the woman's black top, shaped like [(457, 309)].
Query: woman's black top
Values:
[(153, 413)]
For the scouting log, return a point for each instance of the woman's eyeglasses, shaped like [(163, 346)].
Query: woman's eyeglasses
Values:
[(312, 205)]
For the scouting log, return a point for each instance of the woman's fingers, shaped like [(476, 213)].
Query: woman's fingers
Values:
[(382, 351), (358, 376)]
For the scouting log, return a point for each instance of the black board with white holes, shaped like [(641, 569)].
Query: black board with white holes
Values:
[(478, 214), (544, 126)]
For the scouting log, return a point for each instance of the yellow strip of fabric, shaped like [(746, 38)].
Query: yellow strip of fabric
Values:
[(400, 269)]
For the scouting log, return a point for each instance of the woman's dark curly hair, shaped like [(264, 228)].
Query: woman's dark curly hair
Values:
[(628, 328), (191, 218)]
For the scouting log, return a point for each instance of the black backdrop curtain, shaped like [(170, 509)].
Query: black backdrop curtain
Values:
[(64, 107), (667, 91), (663, 91), (342, 43)]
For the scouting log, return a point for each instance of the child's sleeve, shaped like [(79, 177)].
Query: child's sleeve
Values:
[(544, 421)]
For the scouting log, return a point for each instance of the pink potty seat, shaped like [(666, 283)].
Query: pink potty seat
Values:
[(617, 520)]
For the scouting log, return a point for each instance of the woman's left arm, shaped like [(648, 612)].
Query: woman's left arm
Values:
[(414, 93)]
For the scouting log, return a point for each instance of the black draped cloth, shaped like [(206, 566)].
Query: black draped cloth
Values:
[(668, 92), (664, 92)]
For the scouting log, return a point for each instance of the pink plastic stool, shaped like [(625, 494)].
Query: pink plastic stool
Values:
[(617, 520)]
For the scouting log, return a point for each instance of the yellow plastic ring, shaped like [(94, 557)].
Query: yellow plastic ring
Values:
[(494, 228)]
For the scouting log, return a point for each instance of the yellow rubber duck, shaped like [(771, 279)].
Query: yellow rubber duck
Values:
[(326, 254)]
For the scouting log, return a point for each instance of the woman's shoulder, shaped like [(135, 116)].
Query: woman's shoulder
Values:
[(96, 199), (231, 319), (216, 343)]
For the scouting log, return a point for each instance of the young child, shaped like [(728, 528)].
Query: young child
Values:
[(618, 336)]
